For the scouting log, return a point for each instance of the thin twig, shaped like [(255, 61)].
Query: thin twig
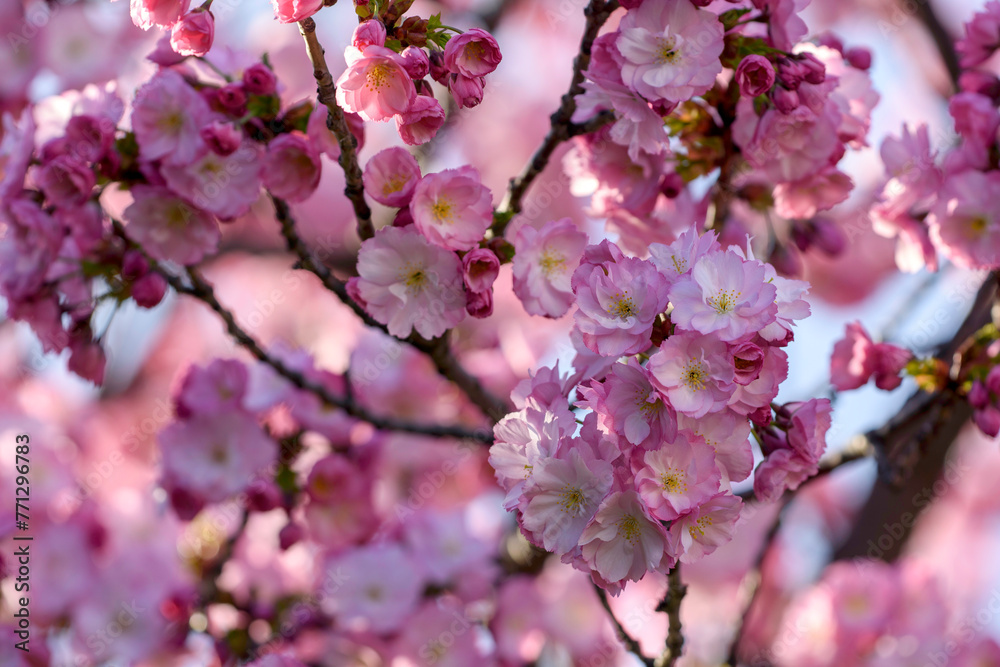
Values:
[(944, 42), (562, 128), (628, 640), (327, 94), (671, 603), (438, 349)]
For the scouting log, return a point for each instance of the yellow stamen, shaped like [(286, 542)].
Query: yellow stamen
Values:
[(628, 528), (694, 375), (623, 306)]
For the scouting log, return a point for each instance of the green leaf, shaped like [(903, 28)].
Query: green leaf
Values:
[(731, 17)]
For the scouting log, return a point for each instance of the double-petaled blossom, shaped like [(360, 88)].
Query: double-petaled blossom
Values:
[(163, 13), (724, 295), (544, 264), (168, 227), (965, 220), (193, 34), (480, 267), (694, 373), (670, 49), (857, 358), (473, 53), (452, 208), (410, 284), (522, 439), (792, 455), (291, 167), (421, 121), (390, 177), (167, 117), (754, 75), (562, 497), (676, 478), (226, 185), (375, 85), (706, 528), (623, 542), (619, 302), (982, 36)]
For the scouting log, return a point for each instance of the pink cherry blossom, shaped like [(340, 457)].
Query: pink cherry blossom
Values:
[(452, 208), (193, 34), (218, 387), (758, 394), (390, 177), (804, 198), (440, 635), (291, 11), (706, 528), (678, 258), (368, 33), (543, 265), (291, 168), (224, 185), (66, 181), (965, 220), (214, 457), (410, 284), (786, 146), (378, 587), (727, 433), (163, 13), (755, 75), (474, 53), (693, 373), (167, 117), (677, 477), (481, 268), (259, 79), (169, 228), (421, 122), (627, 404), (562, 497), (375, 85), (856, 358), (982, 36), (670, 49), (623, 542), (618, 305), (724, 295), (522, 439)]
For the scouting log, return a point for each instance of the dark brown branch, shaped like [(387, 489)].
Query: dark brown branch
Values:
[(335, 120), (628, 640), (438, 349), (944, 42), (671, 603), (562, 128)]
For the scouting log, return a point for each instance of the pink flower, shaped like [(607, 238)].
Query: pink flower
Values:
[(706, 528), (218, 387), (677, 477), (473, 53), (522, 439), (755, 75), (976, 118), (390, 177), (623, 542), (678, 258), (807, 426), (562, 497), (786, 146), (420, 123), (804, 198), (378, 587), (292, 11), (693, 373), (66, 181), (193, 34), (211, 457), (224, 185), (618, 305), (169, 228), (453, 209), (982, 36), (368, 33), (481, 268), (467, 91), (259, 79), (409, 284), (781, 470), (757, 395), (163, 13), (965, 220), (167, 117), (543, 264), (439, 635), (748, 359), (417, 63), (727, 433), (222, 137), (725, 295), (628, 405), (291, 168), (670, 49), (856, 358), (375, 85)]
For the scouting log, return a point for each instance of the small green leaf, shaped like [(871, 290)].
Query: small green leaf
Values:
[(731, 17)]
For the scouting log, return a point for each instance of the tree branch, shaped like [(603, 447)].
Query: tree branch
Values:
[(944, 42), (671, 603), (563, 128), (327, 94), (438, 349)]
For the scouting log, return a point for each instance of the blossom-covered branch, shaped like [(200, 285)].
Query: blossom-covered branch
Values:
[(671, 603), (337, 122)]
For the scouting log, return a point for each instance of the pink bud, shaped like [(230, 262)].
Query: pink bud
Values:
[(480, 304), (134, 265), (368, 33), (672, 185), (415, 62), (232, 98), (802, 235), (993, 380), (748, 359), (828, 236), (785, 101), (223, 138), (979, 395), (467, 91), (815, 71), (859, 58), (258, 79), (988, 420), (263, 495), (87, 359), (830, 40), (66, 181), (421, 121), (292, 167), (149, 290), (164, 55), (755, 76), (978, 81), (481, 268), (403, 217), (290, 535), (193, 34)]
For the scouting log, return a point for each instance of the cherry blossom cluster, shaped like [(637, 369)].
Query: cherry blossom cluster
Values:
[(869, 613), (386, 77), (427, 270), (678, 356), (661, 74), (857, 358), (948, 203), (198, 153)]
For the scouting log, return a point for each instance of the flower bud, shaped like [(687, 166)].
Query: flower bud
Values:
[(193, 34), (755, 76)]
